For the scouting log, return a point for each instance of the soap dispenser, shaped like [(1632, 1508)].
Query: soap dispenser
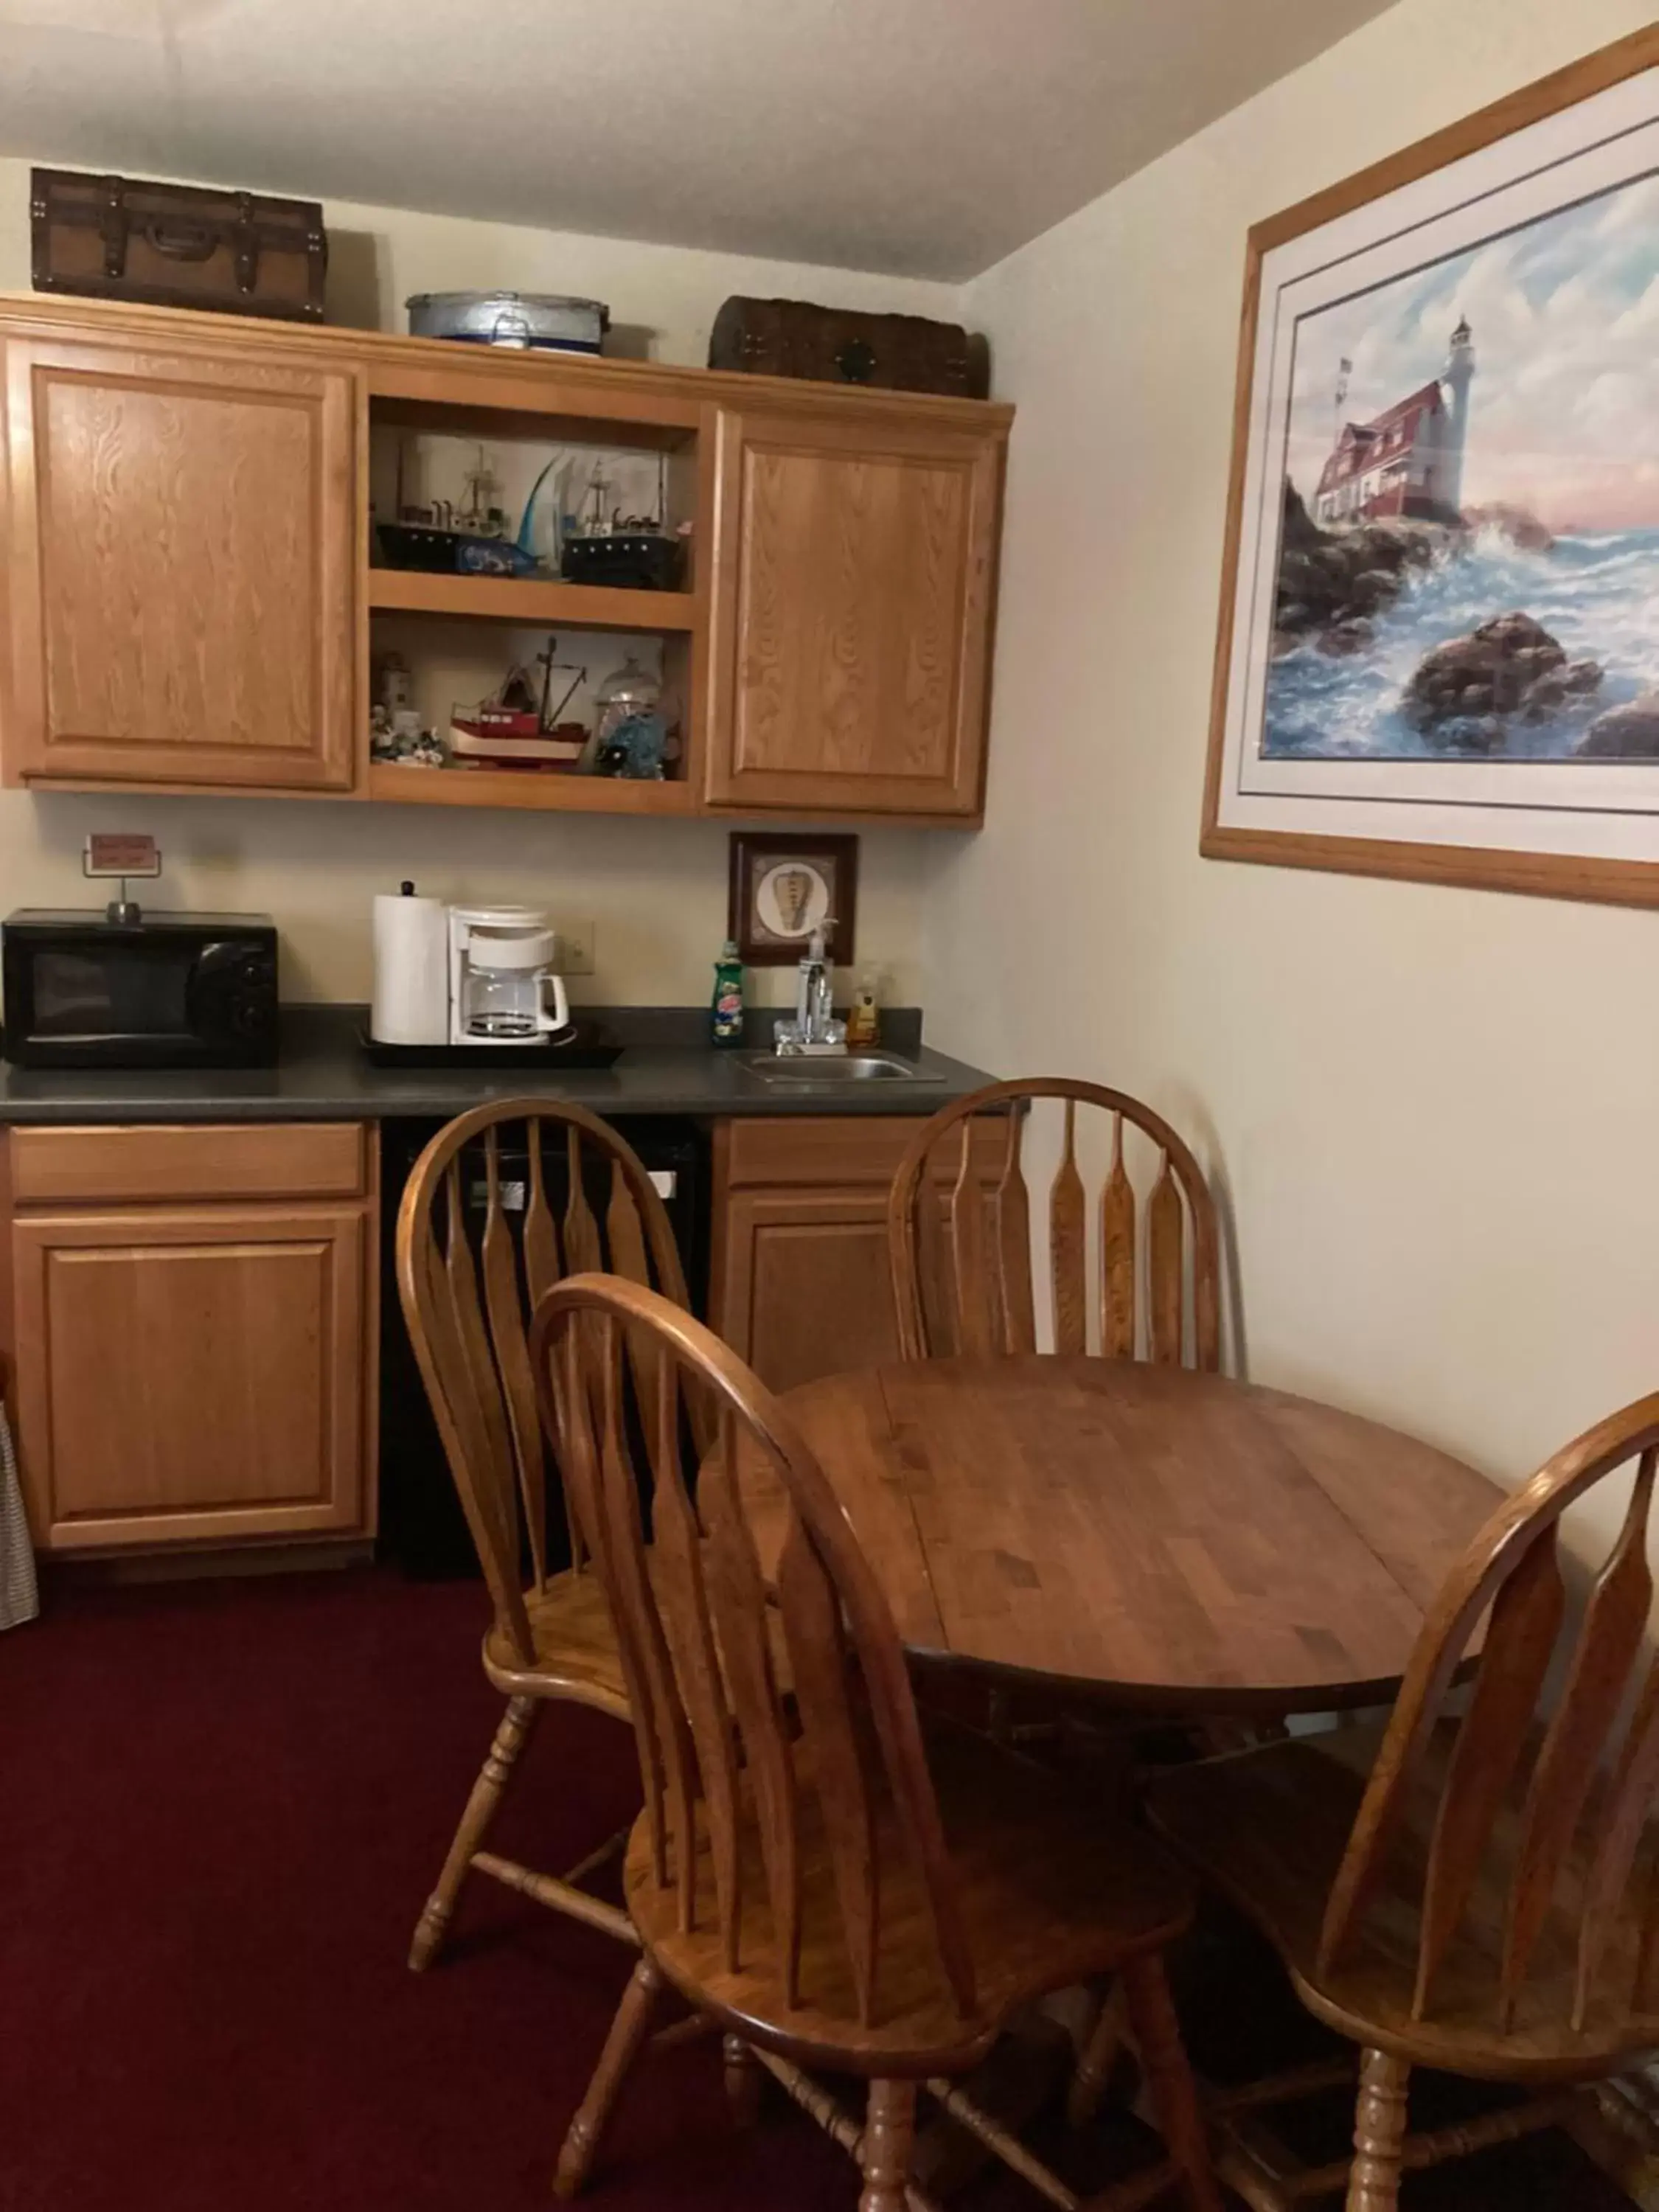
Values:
[(725, 1008)]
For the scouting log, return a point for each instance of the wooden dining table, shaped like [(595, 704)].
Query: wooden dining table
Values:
[(1172, 1542)]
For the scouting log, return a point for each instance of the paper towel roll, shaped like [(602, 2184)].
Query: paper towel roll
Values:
[(411, 971)]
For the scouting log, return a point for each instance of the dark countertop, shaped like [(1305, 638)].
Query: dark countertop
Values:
[(323, 1075)]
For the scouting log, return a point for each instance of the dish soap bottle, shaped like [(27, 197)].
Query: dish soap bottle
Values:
[(863, 1022), (725, 1008)]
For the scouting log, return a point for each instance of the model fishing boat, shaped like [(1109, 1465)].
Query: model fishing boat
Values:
[(516, 727)]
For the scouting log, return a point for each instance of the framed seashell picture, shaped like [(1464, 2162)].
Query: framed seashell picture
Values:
[(785, 886)]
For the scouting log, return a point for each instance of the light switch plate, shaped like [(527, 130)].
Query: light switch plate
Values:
[(575, 948)]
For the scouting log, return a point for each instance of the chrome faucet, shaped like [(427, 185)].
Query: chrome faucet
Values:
[(814, 1028)]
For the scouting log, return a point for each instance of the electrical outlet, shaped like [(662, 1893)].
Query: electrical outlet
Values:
[(575, 948)]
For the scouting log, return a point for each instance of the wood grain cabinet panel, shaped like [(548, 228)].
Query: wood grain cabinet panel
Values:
[(180, 534), (802, 1286), (851, 621), (67, 1164), (807, 1291), (194, 1373)]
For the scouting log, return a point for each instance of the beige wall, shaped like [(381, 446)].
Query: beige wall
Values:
[(655, 890), (1434, 1111)]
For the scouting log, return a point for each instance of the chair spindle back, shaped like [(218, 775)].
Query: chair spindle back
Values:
[(581, 1201), (741, 1786), (962, 1265), (1543, 1786)]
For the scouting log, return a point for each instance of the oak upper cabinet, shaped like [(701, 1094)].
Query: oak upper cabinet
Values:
[(180, 564), (801, 1284), (192, 1322), (854, 579)]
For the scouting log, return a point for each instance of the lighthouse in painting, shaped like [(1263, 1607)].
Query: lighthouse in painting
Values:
[(1456, 376), (1408, 460)]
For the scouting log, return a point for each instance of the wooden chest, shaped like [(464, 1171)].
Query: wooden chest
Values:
[(835, 346), (177, 245)]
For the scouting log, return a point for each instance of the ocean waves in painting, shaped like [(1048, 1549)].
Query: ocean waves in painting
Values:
[(1596, 593)]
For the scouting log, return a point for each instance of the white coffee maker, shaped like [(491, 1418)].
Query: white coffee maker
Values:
[(464, 975), (501, 977)]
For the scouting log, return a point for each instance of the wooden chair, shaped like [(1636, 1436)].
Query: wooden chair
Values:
[(551, 1636), (1480, 1898), (832, 1895), (964, 1284)]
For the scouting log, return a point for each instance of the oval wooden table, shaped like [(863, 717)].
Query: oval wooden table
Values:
[(1176, 1541)]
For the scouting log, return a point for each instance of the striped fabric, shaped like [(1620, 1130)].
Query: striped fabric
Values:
[(18, 1600)]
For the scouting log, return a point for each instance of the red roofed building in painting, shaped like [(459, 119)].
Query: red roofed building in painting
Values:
[(1408, 460)]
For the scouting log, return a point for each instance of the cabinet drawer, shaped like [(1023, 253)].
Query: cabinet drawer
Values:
[(803, 1151), (201, 1164)]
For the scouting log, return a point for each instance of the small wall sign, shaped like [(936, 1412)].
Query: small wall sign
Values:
[(127, 853)]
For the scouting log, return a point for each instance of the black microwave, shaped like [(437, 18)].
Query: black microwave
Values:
[(170, 990)]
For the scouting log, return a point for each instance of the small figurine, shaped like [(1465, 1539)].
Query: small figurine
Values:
[(634, 749), (398, 737)]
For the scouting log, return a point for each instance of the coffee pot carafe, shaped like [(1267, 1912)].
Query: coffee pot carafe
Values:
[(501, 976)]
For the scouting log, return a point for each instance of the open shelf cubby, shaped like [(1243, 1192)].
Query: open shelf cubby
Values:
[(458, 661), (443, 462)]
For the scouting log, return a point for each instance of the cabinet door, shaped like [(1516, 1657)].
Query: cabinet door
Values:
[(853, 592), (195, 1373), (806, 1288), (802, 1283), (180, 562)]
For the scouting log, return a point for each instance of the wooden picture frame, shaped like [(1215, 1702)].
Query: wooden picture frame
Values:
[(783, 883), (1583, 822)]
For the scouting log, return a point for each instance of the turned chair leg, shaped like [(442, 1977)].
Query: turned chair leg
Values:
[(1379, 2133), (622, 2047), (743, 2080), (1169, 2085), (889, 2129), (1098, 2057), (510, 1739)]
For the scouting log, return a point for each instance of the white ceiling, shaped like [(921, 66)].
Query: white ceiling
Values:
[(926, 138)]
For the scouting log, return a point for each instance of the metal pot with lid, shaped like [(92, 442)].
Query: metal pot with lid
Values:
[(524, 320)]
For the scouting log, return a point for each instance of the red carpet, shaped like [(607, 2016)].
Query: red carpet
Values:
[(222, 1806)]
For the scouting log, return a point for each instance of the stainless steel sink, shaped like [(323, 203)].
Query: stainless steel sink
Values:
[(831, 1071)]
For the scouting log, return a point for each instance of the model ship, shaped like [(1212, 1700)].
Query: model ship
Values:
[(517, 728), (469, 540), (629, 552)]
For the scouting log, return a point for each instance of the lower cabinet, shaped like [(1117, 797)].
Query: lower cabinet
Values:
[(193, 1326), (800, 1282)]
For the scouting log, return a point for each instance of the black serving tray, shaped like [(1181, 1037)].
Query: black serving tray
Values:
[(583, 1044)]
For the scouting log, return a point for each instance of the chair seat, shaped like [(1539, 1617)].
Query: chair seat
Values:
[(1268, 1827), (576, 1655), (1049, 1895)]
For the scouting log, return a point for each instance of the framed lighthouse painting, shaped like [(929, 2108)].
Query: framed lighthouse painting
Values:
[(1438, 647)]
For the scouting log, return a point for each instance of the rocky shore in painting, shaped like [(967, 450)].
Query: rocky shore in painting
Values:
[(1483, 636), (1464, 691), (1331, 583), (1626, 732)]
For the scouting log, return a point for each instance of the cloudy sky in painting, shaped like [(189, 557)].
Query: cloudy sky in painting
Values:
[(1564, 408)]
